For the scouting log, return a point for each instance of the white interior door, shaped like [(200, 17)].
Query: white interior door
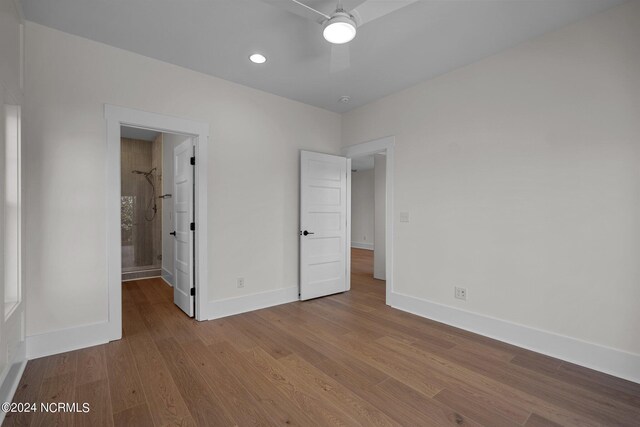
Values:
[(183, 289), (323, 224)]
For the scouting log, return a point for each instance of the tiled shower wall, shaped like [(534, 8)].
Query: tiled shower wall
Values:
[(141, 231)]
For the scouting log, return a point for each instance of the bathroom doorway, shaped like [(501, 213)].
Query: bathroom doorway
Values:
[(188, 157), (157, 178), (142, 183)]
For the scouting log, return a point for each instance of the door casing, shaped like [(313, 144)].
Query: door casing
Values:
[(116, 117)]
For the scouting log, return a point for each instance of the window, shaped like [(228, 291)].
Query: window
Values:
[(12, 267)]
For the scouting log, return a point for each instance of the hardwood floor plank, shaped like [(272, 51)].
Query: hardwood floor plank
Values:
[(431, 409), (92, 365), (163, 398), (96, 394), (326, 413), (228, 390), (61, 364), (575, 399), (537, 421), (56, 389), (459, 376), (154, 322), (124, 383), (328, 389), (197, 394), (599, 382), (253, 329), (136, 416), (271, 400), (347, 359), (411, 373), (132, 323), (220, 330), (28, 391), (153, 290), (470, 409)]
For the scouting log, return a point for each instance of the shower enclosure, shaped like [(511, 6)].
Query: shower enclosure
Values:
[(141, 210)]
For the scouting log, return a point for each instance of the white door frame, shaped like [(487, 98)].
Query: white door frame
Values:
[(383, 145), (115, 117)]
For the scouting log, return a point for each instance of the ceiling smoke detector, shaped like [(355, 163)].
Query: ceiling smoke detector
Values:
[(340, 28), (345, 99)]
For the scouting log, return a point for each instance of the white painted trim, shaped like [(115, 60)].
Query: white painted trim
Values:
[(115, 117), (386, 145), (604, 359), (246, 303), (10, 377), (167, 277), (358, 245), (142, 278), (347, 245), (10, 383), (70, 339)]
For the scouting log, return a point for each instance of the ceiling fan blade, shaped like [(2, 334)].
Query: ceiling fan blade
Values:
[(351, 4), (299, 8), (340, 58), (373, 9)]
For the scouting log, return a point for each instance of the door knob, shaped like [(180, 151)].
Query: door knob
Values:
[(306, 233), (173, 233)]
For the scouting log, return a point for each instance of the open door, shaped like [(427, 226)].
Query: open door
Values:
[(323, 224), (183, 290)]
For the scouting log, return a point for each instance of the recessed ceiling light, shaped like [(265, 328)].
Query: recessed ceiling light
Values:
[(257, 58), (345, 99), (340, 29)]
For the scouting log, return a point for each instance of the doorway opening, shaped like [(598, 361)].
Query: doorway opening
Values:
[(370, 218), (156, 208), (326, 220), (368, 225), (142, 180)]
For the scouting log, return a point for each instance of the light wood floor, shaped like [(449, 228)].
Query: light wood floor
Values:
[(342, 360)]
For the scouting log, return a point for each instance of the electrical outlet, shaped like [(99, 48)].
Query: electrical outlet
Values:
[(241, 282), (364, 238), (461, 293), (404, 216)]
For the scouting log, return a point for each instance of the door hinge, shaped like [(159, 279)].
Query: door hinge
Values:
[(193, 226), (193, 161), (193, 292)]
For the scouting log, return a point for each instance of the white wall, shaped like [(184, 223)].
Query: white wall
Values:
[(253, 172), (362, 209), (169, 142), (12, 349), (380, 198), (520, 174)]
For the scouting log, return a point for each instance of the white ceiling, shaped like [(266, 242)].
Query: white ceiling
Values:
[(138, 133), (363, 163), (417, 42)]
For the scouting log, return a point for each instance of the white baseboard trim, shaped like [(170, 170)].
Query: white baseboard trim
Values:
[(243, 304), (604, 359), (168, 277), (10, 378), (65, 340), (358, 245)]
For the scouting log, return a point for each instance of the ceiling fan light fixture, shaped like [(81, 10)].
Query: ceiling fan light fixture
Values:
[(340, 28), (257, 58)]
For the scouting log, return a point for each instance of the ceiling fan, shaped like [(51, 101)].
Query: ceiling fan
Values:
[(340, 26)]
